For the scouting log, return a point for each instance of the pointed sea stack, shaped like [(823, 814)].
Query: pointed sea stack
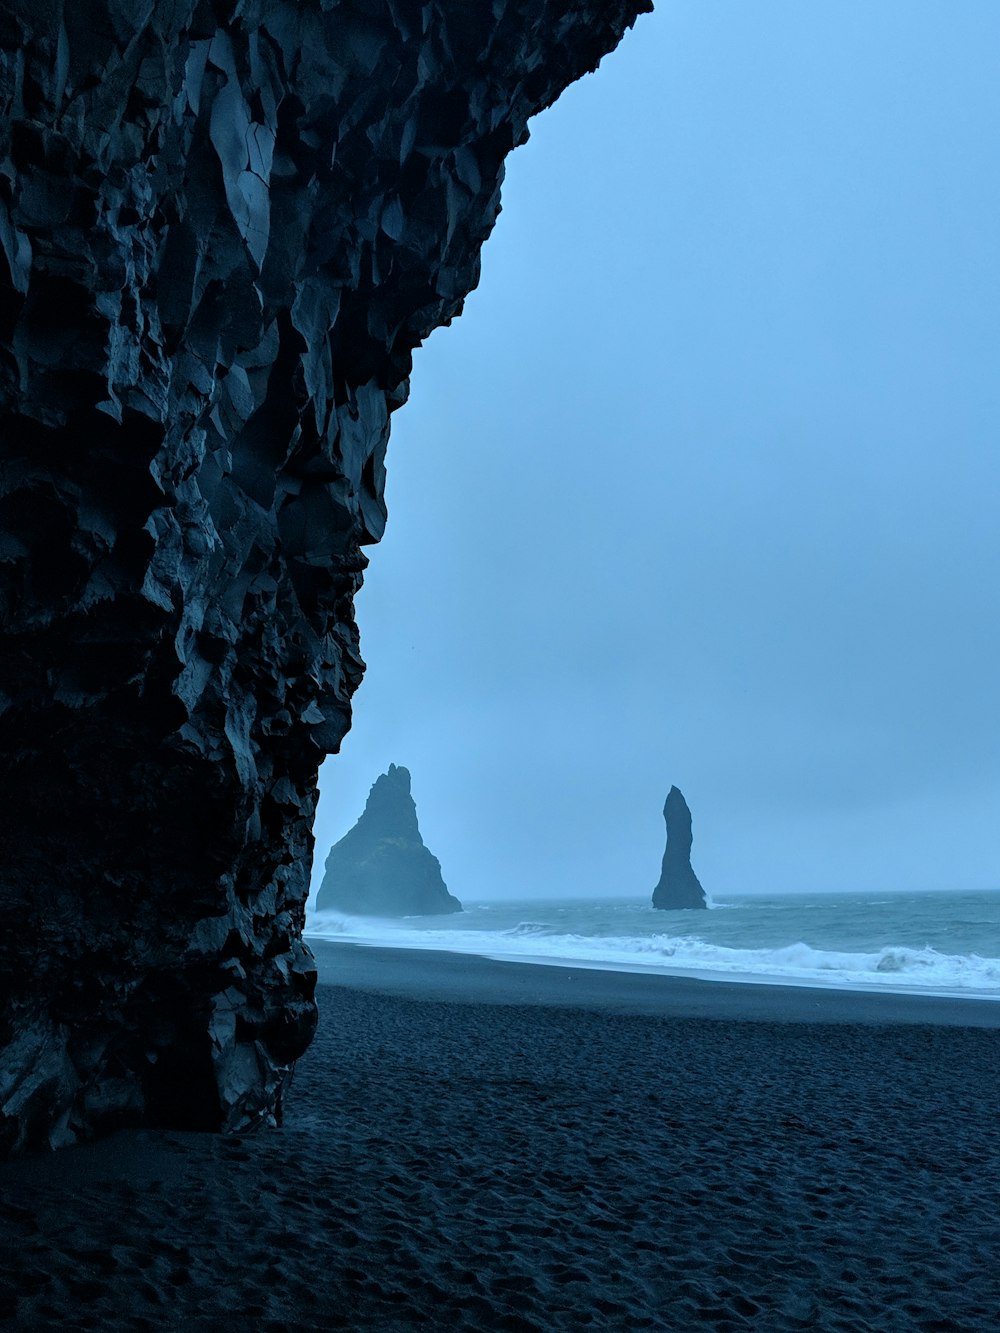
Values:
[(381, 867), (678, 886)]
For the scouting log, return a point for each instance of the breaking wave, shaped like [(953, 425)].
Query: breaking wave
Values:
[(893, 967)]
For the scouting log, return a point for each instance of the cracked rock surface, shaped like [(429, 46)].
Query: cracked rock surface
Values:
[(224, 226)]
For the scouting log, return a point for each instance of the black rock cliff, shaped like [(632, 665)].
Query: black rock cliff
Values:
[(224, 226), (381, 867)]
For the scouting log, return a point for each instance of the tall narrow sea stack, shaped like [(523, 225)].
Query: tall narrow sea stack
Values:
[(678, 886), (381, 866), (224, 226)]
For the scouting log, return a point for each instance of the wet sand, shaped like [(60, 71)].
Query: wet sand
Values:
[(481, 1145), (465, 978)]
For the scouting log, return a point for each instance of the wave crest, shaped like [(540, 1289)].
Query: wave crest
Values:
[(894, 967)]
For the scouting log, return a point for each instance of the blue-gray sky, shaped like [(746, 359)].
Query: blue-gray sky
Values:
[(703, 487)]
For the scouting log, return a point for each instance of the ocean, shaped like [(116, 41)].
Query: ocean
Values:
[(936, 943)]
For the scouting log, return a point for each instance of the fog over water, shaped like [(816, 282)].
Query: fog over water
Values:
[(703, 487)]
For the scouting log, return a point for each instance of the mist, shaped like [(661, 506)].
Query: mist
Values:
[(702, 487)]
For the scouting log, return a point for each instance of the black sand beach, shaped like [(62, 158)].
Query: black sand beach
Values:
[(479, 1145)]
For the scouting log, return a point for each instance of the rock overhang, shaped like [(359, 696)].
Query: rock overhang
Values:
[(224, 226)]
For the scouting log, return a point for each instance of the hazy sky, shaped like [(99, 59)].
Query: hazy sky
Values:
[(703, 487)]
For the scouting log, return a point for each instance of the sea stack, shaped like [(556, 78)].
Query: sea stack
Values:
[(381, 867), (679, 886)]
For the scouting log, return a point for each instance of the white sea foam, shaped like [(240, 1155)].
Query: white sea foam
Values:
[(892, 967)]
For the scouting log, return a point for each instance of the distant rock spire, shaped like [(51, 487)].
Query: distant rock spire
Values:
[(381, 867), (678, 886)]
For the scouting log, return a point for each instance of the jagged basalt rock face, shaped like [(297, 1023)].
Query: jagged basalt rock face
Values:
[(381, 866), (678, 886), (224, 226)]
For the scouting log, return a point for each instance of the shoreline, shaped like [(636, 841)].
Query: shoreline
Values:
[(460, 978), (478, 1145)]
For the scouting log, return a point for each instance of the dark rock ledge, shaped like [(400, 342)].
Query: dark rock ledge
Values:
[(224, 226)]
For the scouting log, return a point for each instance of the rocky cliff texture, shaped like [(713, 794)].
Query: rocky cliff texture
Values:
[(224, 226), (381, 866), (678, 885)]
